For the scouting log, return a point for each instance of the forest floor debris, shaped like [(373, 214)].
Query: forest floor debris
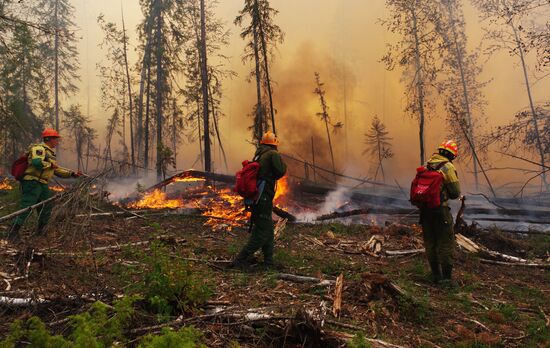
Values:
[(173, 270)]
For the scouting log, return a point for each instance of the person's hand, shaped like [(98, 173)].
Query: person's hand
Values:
[(77, 174)]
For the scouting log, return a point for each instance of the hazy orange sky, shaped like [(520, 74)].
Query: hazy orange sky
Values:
[(341, 39)]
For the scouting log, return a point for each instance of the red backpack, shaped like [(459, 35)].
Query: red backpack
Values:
[(426, 187), (246, 183), (19, 167)]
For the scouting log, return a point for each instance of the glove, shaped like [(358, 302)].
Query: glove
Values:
[(77, 174)]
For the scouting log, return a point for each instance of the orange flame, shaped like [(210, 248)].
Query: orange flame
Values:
[(156, 200), (57, 188), (189, 179), (5, 184), (281, 190)]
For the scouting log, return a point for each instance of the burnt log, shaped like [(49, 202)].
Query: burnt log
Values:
[(343, 214), (284, 214), (228, 179)]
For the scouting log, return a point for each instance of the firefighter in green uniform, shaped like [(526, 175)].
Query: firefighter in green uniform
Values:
[(437, 224), (42, 166), (272, 168)]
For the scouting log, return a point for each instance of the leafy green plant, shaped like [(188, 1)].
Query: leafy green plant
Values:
[(186, 337), (167, 283), (101, 326), (359, 341)]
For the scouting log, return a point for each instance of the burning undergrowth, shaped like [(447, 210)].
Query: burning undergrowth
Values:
[(217, 201)]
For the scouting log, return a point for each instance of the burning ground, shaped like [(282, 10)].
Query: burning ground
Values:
[(171, 263)]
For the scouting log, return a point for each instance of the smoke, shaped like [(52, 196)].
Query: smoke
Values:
[(121, 188), (334, 200)]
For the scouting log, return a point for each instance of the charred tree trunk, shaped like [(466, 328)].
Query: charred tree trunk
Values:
[(204, 89), (129, 87), (420, 87)]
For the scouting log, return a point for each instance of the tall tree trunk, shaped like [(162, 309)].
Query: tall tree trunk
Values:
[(532, 106), (159, 88), (330, 146), (419, 86), (147, 112), (174, 135), (469, 120), (204, 88), (266, 65), (56, 64), (259, 117), (146, 63), (129, 88), (200, 132), (215, 119)]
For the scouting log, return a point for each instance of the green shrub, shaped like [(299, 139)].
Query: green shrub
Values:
[(359, 341), (169, 284), (99, 327), (186, 337)]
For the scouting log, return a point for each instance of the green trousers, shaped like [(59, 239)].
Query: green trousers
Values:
[(437, 228), (33, 192), (262, 231)]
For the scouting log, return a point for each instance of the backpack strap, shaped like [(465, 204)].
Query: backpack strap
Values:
[(439, 166)]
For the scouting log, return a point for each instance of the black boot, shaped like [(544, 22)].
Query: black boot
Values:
[(436, 272), (447, 271), (41, 230), (13, 234), (241, 261)]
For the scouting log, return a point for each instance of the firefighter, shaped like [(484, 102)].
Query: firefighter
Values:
[(437, 224), (42, 166), (272, 168)]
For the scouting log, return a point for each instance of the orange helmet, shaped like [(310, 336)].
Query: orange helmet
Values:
[(269, 138), (50, 133), (449, 145)]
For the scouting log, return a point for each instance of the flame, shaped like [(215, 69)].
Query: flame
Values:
[(281, 191), (5, 184), (156, 200), (57, 188), (223, 207), (189, 179)]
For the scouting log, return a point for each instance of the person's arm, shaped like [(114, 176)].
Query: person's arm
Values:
[(452, 185), (279, 167), (64, 172)]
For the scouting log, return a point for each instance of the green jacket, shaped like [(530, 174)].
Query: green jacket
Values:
[(451, 186), (43, 165), (272, 167)]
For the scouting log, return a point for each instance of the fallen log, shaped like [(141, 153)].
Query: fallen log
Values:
[(304, 279), (20, 302), (472, 247), (229, 179), (164, 238), (24, 210), (519, 264), (404, 252), (284, 214), (337, 215)]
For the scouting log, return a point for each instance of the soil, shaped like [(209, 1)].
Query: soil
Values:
[(486, 306)]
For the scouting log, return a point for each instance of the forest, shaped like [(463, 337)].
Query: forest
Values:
[(155, 104)]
